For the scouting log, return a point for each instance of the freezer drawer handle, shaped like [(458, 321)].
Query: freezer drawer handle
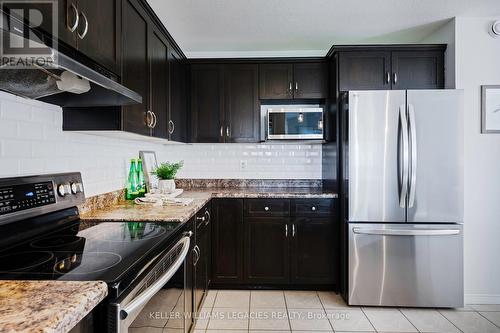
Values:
[(402, 232)]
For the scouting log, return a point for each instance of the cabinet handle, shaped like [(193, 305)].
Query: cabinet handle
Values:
[(296, 86), (293, 230), (395, 78), (86, 29), (200, 218), (266, 208), (313, 208), (77, 18), (227, 131), (207, 214), (387, 77), (171, 127), (290, 87), (154, 120), (286, 230), (221, 131), (149, 119)]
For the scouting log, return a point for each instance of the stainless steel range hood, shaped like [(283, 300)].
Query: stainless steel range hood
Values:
[(49, 82)]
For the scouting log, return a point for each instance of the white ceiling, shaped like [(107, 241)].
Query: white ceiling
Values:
[(232, 28)]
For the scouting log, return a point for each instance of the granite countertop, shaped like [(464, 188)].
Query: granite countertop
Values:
[(128, 211), (47, 306)]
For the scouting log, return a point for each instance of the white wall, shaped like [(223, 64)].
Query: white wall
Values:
[(478, 63), (32, 142), (446, 35)]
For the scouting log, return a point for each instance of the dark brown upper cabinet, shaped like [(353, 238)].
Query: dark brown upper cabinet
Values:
[(137, 117), (241, 107), (92, 27), (417, 70), (311, 80), (159, 76), (365, 70), (207, 102), (98, 31), (276, 81), (293, 80), (224, 103), (389, 67), (177, 126)]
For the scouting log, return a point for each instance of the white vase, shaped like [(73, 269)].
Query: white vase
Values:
[(166, 186)]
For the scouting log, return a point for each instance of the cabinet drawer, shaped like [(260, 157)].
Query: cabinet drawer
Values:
[(312, 207), (267, 207)]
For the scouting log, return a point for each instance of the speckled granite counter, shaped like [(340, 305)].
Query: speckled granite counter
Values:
[(47, 306), (128, 211)]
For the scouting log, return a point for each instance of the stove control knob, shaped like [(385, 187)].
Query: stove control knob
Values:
[(63, 189), (76, 188)]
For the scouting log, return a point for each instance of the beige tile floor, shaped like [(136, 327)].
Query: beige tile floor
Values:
[(231, 311)]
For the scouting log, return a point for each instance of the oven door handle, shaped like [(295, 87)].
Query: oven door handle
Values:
[(140, 301)]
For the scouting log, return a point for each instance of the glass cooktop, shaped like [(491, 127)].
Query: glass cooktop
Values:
[(105, 251)]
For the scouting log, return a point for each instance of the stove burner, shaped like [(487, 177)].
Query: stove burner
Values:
[(130, 231), (56, 241), (87, 263), (22, 261)]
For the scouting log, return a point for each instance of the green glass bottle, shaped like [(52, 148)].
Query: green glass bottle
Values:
[(141, 185), (132, 182)]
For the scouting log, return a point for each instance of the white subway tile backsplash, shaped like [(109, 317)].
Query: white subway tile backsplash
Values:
[(32, 142)]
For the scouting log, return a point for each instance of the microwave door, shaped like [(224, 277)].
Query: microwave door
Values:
[(295, 124)]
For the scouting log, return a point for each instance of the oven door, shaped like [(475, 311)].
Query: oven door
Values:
[(294, 124), (138, 307)]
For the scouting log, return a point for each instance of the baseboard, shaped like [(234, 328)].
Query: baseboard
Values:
[(482, 299)]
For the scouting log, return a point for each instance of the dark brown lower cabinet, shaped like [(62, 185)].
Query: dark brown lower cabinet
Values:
[(227, 241), (201, 264), (266, 250), (253, 247), (312, 251)]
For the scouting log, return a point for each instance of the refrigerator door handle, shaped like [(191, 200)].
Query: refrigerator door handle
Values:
[(406, 232), (413, 165), (403, 157)]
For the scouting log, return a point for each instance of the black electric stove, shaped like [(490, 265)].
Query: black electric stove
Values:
[(40, 241)]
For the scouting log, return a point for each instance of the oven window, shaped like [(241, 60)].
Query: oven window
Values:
[(166, 309), (295, 123)]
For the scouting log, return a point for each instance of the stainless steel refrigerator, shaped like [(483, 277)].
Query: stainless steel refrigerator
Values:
[(404, 173)]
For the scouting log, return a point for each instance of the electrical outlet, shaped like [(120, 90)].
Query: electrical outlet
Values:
[(243, 164)]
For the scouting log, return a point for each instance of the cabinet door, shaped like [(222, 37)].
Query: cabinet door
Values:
[(158, 57), (313, 251), (178, 99), (207, 103), (227, 241), (266, 250), (135, 69), (101, 42), (310, 80), (364, 70), (67, 13), (275, 81), (200, 265), (241, 103), (417, 70), (189, 286)]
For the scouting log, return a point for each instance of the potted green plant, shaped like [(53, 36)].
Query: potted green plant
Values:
[(166, 174)]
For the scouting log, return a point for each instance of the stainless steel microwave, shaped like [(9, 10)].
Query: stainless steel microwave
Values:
[(294, 123)]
